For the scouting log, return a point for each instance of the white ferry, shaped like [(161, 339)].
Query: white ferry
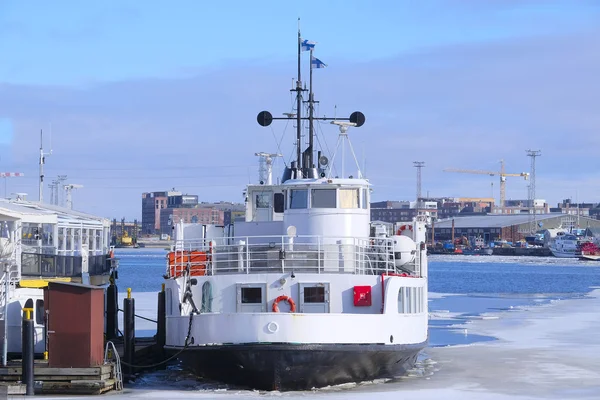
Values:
[(40, 243), (305, 292)]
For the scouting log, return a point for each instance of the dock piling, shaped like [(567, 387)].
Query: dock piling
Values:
[(161, 332), (129, 332), (28, 351), (112, 308)]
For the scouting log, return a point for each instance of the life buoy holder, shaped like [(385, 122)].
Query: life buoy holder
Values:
[(403, 228), (284, 298)]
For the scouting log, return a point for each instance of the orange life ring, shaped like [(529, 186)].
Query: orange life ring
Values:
[(284, 298), (403, 228)]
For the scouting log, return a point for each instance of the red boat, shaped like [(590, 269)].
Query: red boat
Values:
[(589, 252)]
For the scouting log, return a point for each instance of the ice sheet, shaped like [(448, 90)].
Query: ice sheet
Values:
[(544, 351)]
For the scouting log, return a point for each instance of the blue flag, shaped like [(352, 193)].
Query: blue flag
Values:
[(316, 63), (307, 45)]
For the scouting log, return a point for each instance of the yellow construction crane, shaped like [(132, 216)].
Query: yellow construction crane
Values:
[(501, 173)]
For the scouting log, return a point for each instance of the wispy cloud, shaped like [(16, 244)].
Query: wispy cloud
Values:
[(464, 106)]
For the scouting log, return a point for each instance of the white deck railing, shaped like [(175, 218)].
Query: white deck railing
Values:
[(261, 254)]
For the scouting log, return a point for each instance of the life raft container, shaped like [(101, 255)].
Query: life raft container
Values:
[(289, 300), (179, 260)]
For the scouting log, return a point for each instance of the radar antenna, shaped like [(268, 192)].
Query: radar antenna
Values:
[(343, 137), (265, 167)]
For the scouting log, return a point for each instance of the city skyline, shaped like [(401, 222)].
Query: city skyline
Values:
[(149, 98)]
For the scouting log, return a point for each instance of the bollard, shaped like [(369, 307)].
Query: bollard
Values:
[(129, 331), (28, 351), (161, 331), (112, 309)]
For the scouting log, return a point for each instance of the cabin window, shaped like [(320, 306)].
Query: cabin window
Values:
[(314, 294), (68, 235), (61, 238), (365, 198), (251, 297), (410, 300), (298, 198), (313, 297), (39, 312), (263, 200), (323, 198), (348, 198), (278, 201)]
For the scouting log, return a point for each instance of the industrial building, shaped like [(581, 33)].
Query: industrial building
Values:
[(493, 227), (161, 210), (152, 203), (401, 211)]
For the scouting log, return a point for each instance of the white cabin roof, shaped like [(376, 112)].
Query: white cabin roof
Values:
[(34, 212), (327, 181)]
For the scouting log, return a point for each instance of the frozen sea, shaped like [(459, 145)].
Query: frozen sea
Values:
[(500, 328)]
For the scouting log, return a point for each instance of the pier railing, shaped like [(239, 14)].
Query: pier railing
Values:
[(312, 254), (51, 266)]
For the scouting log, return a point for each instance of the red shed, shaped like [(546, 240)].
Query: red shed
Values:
[(75, 325)]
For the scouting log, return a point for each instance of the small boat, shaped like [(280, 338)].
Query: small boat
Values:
[(478, 251), (566, 246), (589, 252)]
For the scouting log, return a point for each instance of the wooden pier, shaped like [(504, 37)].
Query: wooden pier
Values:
[(95, 380)]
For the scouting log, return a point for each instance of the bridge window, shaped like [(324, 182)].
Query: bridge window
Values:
[(348, 198), (323, 198), (278, 201), (298, 198), (263, 200), (365, 201)]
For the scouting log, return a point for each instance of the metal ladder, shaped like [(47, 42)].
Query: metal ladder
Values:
[(114, 356)]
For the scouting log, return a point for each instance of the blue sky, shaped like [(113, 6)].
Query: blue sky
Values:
[(141, 94), (74, 42)]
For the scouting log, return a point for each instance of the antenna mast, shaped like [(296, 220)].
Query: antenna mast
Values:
[(311, 106), (532, 223), (68, 189), (298, 91), (419, 166), (42, 162)]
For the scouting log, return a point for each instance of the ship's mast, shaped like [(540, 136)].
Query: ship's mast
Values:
[(299, 105), (311, 102), (303, 165)]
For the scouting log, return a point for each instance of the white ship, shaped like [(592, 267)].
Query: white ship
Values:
[(303, 293)]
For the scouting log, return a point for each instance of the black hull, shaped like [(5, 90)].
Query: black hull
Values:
[(299, 367)]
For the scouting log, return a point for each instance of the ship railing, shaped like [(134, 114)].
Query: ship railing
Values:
[(310, 254)]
